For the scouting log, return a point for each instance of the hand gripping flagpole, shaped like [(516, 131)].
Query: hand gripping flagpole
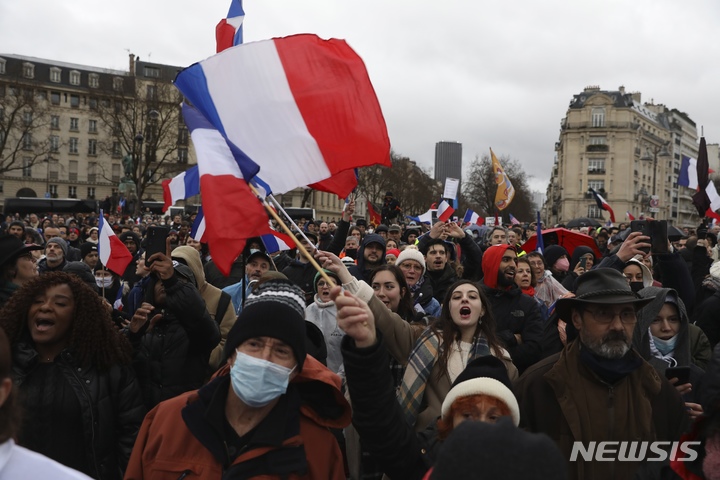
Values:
[(299, 245)]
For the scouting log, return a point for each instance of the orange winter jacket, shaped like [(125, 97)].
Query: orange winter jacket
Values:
[(167, 448)]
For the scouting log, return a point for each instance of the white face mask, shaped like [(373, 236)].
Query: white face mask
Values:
[(103, 281)]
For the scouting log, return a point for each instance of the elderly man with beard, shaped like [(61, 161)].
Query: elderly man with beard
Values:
[(598, 388), (518, 316)]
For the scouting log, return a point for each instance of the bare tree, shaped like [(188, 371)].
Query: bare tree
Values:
[(480, 188), (146, 127), (24, 120)]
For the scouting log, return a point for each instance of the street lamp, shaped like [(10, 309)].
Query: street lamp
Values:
[(652, 152)]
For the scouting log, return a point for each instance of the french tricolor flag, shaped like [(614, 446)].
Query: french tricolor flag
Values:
[(302, 108), (112, 251), (229, 31), (223, 173), (276, 242), (444, 211), (472, 218), (603, 205), (183, 186), (198, 227)]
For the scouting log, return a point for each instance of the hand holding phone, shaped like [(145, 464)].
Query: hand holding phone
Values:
[(155, 242), (681, 373)]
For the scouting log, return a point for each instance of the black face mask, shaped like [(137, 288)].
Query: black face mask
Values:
[(636, 286), (351, 252)]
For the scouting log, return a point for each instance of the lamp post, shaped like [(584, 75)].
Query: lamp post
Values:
[(652, 152)]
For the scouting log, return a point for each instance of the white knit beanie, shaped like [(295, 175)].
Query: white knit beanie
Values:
[(411, 254)]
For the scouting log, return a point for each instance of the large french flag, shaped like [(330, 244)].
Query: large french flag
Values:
[(232, 214), (300, 107), (688, 176), (183, 186), (444, 211), (229, 31), (112, 251), (602, 204)]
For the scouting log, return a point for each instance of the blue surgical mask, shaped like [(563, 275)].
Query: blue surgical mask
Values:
[(665, 347), (258, 382)]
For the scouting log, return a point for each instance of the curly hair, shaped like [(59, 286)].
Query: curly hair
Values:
[(445, 328), (94, 339)]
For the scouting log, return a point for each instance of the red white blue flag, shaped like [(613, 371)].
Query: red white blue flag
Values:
[(112, 251), (229, 31), (603, 205), (183, 186), (444, 211), (276, 242)]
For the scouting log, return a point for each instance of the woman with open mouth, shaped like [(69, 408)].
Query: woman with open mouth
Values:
[(82, 403)]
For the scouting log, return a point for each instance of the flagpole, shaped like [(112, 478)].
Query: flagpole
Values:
[(292, 222), (299, 245)]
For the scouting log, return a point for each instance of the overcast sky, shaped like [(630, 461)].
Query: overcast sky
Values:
[(485, 73)]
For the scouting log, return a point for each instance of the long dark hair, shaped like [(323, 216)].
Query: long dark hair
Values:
[(405, 307), (445, 328), (93, 337)]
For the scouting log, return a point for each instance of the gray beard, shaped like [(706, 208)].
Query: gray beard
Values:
[(612, 349)]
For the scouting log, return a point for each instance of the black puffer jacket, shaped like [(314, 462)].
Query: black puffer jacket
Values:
[(172, 357), (112, 408)]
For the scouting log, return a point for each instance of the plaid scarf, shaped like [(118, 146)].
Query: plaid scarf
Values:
[(420, 365)]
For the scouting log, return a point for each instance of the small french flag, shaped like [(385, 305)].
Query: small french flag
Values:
[(472, 218), (276, 241), (445, 211), (183, 186), (112, 251), (198, 227)]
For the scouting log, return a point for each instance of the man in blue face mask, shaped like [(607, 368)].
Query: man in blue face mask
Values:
[(267, 412)]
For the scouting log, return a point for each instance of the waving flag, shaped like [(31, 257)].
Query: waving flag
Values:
[(603, 205), (688, 172), (713, 196), (473, 218), (223, 173), (183, 186), (424, 218), (514, 220), (111, 250), (276, 242), (630, 216), (300, 107), (228, 31), (444, 211), (198, 227), (373, 215), (505, 190)]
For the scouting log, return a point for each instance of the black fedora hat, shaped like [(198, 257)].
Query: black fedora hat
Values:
[(601, 286), (12, 247)]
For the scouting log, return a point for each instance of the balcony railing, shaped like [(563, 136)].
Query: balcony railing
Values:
[(597, 147), (596, 170)]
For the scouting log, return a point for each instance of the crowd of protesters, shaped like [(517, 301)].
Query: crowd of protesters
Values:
[(416, 351)]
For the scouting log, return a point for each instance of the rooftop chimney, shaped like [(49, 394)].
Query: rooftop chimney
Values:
[(132, 64)]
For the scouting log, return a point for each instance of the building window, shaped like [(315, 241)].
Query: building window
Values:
[(27, 141), (93, 80), (151, 92), (55, 122), (27, 118), (118, 84), (73, 145), (598, 140), (2, 66), (594, 211), (92, 147), (55, 74), (151, 72), (54, 143), (52, 189), (115, 172), (598, 117), (72, 170), (74, 101), (597, 185), (55, 98), (91, 192), (74, 124), (2, 187), (27, 167), (116, 151), (183, 136), (92, 173), (72, 191), (93, 103), (28, 70), (74, 77), (92, 126), (182, 155), (596, 165)]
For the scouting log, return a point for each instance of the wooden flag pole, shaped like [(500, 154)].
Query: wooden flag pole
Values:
[(299, 245)]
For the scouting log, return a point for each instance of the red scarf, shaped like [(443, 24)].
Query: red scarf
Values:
[(529, 291)]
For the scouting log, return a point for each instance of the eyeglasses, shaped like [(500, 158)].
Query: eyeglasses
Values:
[(606, 316), (323, 283)]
